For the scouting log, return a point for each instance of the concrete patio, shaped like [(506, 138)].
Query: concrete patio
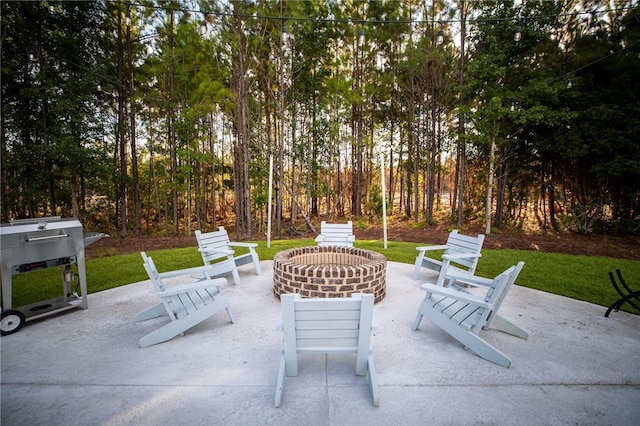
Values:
[(85, 367)]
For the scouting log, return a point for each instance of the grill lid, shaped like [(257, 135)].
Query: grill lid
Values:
[(38, 225), (36, 232), (41, 227)]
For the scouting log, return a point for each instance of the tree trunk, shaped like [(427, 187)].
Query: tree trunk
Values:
[(487, 213), (431, 170), (357, 113), (213, 174), (461, 158), (241, 164), (172, 132), (500, 196), (73, 183), (280, 186), (4, 217), (120, 141), (416, 163), (312, 203), (132, 136)]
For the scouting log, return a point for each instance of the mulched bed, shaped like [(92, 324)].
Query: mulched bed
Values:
[(621, 247)]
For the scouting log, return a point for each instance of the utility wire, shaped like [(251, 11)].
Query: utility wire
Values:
[(603, 57), (362, 21)]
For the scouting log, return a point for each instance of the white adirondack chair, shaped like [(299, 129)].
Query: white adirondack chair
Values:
[(336, 234), (462, 315), (326, 326), (461, 255), (186, 305), (217, 252)]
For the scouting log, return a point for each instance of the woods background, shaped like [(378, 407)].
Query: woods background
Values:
[(159, 117)]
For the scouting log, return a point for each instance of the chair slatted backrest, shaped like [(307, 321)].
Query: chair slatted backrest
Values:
[(152, 271), (502, 291), (216, 240), (172, 304), (339, 234), (473, 317), (463, 244), (479, 318), (327, 325)]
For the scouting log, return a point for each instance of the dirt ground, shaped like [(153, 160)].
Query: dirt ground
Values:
[(622, 247)]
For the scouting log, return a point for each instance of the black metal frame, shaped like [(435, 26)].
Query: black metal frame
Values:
[(630, 296)]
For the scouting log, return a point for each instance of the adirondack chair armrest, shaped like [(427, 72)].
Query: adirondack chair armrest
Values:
[(469, 279), (456, 294), (425, 248), (179, 289), (188, 271), (279, 323), (206, 249), (241, 244), (351, 238), (455, 256), (320, 238)]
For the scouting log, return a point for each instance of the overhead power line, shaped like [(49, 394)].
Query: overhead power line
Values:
[(365, 21)]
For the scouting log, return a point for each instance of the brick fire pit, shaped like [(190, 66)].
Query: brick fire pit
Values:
[(329, 271)]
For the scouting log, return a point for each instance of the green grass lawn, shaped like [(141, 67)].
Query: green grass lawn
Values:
[(579, 277)]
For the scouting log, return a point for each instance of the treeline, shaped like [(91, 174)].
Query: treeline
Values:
[(163, 116)]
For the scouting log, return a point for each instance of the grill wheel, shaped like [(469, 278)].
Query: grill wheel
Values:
[(11, 322)]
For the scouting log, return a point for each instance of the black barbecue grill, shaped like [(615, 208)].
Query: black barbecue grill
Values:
[(34, 244)]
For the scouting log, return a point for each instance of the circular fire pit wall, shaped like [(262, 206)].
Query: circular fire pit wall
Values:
[(330, 271)]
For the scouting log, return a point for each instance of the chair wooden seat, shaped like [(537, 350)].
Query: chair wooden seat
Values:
[(217, 253), (336, 234), (463, 315), (186, 305), (327, 326), (461, 255)]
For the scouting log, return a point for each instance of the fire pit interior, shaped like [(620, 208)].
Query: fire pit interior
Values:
[(329, 271)]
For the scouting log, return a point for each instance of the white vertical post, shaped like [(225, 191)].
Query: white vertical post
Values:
[(384, 200), (269, 203)]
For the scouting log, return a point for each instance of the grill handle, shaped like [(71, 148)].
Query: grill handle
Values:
[(50, 237)]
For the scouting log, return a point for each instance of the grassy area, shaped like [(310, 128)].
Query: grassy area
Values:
[(579, 277)]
